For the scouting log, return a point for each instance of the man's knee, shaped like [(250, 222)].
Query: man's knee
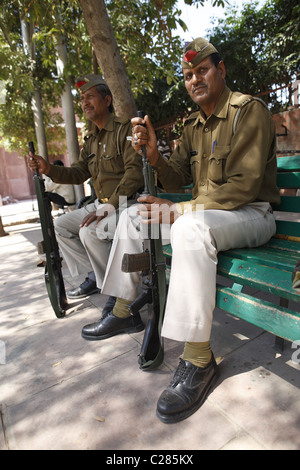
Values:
[(86, 234), (190, 231), (66, 225), (57, 223)]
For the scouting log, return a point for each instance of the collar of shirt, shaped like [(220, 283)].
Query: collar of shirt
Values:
[(221, 109), (108, 126)]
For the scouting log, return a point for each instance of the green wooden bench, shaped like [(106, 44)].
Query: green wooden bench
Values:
[(251, 273)]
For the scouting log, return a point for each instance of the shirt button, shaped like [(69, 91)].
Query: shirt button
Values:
[(206, 129)]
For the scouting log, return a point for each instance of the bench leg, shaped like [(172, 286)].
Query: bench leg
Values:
[(280, 342)]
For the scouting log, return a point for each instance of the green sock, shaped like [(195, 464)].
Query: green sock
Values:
[(199, 354), (121, 309)]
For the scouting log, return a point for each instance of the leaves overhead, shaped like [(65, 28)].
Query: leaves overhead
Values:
[(143, 31), (259, 48)]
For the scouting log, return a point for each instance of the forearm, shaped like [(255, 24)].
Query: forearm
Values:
[(68, 175)]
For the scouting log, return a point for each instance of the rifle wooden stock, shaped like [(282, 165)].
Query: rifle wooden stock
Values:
[(133, 263)]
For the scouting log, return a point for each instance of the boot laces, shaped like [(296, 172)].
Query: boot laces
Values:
[(180, 374), (85, 283), (105, 314)]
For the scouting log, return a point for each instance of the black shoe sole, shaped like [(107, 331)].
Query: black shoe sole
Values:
[(177, 417), (95, 291), (134, 329)]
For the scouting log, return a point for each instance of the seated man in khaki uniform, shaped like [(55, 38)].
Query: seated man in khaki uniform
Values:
[(228, 152), (85, 235)]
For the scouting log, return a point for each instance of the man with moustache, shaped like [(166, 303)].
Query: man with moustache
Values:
[(85, 235), (228, 151)]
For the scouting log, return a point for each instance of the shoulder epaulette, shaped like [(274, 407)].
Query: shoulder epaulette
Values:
[(89, 134), (191, 117), (239, 99), (121, 119), (242, 101)]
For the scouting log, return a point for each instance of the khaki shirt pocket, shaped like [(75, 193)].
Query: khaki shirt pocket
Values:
[(195, 167), (112, 163), (93, 165), (217, 163)]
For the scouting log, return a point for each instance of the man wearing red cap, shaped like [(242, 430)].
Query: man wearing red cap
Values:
[(85, 235), (228, 152)]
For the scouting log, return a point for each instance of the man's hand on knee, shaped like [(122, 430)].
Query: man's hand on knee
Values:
[(102, 212), (88, 219)]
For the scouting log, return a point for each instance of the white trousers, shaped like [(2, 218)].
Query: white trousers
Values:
[(196, 238), (85, 249)]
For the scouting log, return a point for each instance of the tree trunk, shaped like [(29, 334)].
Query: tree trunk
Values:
[(108, 56), (36, 101), (68, 112)]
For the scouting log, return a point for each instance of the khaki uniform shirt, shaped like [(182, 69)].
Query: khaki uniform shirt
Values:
[(228, 169), (108, 157)]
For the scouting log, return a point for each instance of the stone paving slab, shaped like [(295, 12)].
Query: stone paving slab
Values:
[(59, 392)]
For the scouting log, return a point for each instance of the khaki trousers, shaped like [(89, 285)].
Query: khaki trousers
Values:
[(196, 239)]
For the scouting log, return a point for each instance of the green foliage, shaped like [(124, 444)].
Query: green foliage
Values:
[(143, 30), (260, 48), (164, 100), (214, 3), (21, 74)]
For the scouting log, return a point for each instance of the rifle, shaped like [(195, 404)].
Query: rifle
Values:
[(152, 264), (53, 275)]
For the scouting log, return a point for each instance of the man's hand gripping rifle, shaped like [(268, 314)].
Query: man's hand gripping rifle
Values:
[(53, 275), (152, 266)]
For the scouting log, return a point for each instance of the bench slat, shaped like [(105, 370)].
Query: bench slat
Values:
[(290, 163), (176, 197), (284, 245), (275, 319), (289, 228), (288, 204), (265, 278), (288, 180), (266, 256)]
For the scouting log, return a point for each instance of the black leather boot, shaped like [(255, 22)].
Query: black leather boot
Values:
[(187, 391), (109, 305), (110, 325), (88, 287)]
